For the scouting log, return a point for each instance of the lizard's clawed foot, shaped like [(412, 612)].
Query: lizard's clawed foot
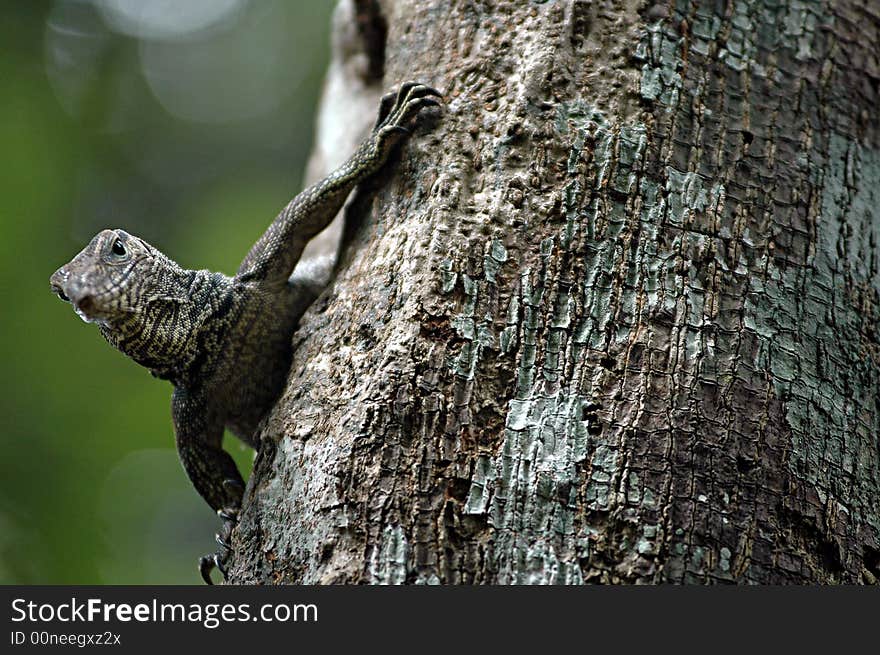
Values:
[(397, 109), (218, 560)]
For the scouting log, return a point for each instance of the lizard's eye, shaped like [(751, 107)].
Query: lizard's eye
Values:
[(118, 248)]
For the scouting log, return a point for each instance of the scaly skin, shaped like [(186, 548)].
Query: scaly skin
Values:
[(223, 342)]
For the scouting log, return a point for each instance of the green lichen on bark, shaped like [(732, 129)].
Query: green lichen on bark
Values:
[(817, 331)]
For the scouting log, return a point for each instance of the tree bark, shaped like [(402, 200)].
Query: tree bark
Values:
[(612, 318)]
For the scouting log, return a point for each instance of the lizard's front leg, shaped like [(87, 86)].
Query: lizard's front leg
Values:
[(198, 434), (273, 257)]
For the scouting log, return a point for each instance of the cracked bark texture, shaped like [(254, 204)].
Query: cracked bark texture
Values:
[(613, 318)]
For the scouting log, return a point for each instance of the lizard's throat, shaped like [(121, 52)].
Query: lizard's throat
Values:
[(155, 338)]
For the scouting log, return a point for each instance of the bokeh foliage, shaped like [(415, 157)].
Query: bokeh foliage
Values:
[(90, 487)]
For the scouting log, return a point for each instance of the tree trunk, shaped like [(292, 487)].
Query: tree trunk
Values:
[(612, 318)]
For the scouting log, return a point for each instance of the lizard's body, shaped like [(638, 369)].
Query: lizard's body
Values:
[(228, 341), (223, 342)]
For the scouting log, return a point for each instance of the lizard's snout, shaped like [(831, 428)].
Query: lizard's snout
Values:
[(70, 290), (57, 283), (58, 291)]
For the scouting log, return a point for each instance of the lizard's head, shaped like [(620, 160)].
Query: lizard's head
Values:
[(104, 282)]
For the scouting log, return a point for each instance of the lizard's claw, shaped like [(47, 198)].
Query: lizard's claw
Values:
[(208, 563), (390, 100), (396, 110), (228, 514), (385, 105)]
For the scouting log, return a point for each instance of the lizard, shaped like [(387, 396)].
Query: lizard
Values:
[(224, 343)]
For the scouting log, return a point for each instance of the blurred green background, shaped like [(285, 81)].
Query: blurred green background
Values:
[(189, 124)]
